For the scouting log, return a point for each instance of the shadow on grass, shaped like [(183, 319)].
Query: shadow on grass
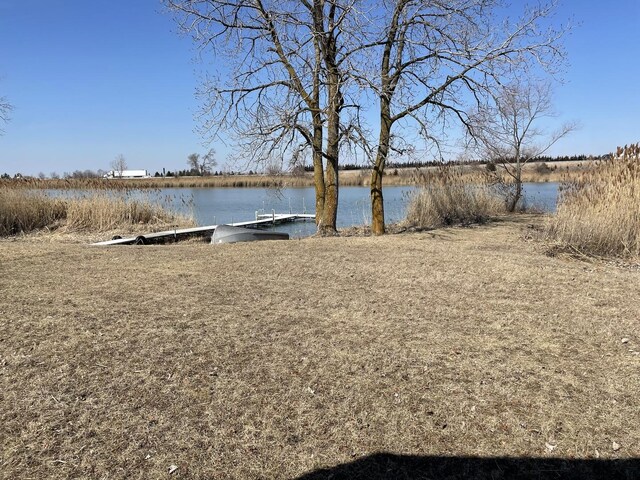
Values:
[(388, 466)]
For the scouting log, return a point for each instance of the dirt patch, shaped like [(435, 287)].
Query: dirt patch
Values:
[(276, 359)]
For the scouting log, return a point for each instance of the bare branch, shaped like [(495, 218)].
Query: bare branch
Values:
[(5, 110)]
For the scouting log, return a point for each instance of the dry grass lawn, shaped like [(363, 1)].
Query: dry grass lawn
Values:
[(278, 359)]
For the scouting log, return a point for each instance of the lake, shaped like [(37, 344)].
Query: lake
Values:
[(212, 206)]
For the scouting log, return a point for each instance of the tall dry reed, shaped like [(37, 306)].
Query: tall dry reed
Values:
[(24, 211), (450, 196), (102, 212), (599, 212)]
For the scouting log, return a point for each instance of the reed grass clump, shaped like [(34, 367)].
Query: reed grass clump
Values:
[(450, 196), (25, 211), (599, 212), (104, 212)]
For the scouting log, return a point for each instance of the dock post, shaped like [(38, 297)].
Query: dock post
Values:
[(273, 216)]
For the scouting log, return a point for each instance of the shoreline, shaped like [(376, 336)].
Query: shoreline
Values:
[(533, 172)]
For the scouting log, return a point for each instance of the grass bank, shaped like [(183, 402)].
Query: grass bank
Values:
[(319, 357), (25, 211)]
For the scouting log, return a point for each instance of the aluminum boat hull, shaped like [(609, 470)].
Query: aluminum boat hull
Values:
[(229, 234)]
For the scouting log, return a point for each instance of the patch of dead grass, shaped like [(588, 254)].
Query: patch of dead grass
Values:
[(272, 359)]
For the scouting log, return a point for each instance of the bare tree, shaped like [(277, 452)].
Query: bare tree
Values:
[(507, 131), (271, 97), (292, 67), (285, 81), (193, 161), (204, 164), (119, 165), (208, 163), (438, 58), (5, 110)]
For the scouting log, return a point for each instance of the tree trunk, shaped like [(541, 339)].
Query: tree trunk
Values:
[(334, 105), (377, 201), (330, 213), (518, 194), (318, 170)]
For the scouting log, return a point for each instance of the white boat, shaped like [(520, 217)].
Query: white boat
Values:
[(229, 234)]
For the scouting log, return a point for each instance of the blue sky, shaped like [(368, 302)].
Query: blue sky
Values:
[(93, 79)]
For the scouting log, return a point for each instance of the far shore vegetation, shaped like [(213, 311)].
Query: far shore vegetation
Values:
[(543, 169)]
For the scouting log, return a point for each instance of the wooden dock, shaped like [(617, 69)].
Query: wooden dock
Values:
[(261, 220)]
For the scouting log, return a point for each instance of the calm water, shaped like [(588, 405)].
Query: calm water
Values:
[(212, 206), (543, 196)]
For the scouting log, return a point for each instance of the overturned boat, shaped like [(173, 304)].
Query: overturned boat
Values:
[(229, 234)]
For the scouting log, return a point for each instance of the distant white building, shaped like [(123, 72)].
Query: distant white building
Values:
[(127, 174)]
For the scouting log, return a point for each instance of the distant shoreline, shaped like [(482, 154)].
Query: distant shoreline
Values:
[(534, 172)]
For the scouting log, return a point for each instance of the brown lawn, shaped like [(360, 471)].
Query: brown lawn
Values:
[(278, 359)]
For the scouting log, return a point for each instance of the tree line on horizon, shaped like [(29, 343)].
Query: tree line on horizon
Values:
[(436, 163), (99, 173)]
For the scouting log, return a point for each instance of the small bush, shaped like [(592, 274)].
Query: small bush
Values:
[(599, 213), (450, 197)]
